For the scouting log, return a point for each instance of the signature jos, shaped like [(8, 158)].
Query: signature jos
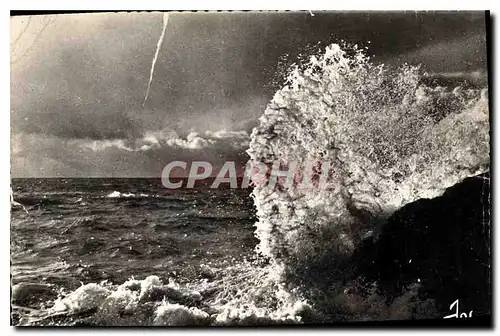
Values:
[(456, 314)]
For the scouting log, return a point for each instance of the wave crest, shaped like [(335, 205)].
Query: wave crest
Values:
[(390, 140)]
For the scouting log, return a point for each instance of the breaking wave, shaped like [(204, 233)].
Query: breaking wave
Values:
[(389, 139), (246, 294), (117, 194)]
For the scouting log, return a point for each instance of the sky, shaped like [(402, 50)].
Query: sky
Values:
[(78, 80)]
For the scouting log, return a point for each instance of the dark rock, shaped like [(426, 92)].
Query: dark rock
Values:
[(158, 293), (443, 244), (32, 294), (207, 273), (134, 287)]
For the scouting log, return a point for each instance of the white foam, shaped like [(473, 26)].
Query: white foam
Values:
[(376, 127), (117, 194)]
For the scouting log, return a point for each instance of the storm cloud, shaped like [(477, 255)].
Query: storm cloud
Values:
[(78, 81)]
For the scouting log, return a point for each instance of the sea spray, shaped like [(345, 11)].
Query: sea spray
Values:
[(158, 47), (246, 294), (390, 140)]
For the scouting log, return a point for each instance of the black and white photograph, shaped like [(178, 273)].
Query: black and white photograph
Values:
[(250, 168)]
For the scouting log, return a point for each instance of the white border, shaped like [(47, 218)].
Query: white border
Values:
[(258, 5), (192, 5)]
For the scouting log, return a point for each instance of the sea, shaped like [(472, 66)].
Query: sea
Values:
[(75, 231)]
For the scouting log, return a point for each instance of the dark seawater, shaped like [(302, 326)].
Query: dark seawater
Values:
[(74, 233)]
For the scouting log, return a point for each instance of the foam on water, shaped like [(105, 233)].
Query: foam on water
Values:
[(150, 302), (117, 194)]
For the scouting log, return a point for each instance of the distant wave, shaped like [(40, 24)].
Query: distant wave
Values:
[(117, 194)]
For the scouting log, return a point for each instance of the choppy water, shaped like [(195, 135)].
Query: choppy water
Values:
[(88, 230)]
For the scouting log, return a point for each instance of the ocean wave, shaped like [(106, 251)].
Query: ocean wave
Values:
[(389, 141), (141, 195), (211, 301), (36, 201), (117, 194)]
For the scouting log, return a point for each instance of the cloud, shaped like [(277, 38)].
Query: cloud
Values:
[(35, 155), (225, 134), (223, 138), (104, 144), (479, 74), (455, 78), (219, 140), (465, 54)]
